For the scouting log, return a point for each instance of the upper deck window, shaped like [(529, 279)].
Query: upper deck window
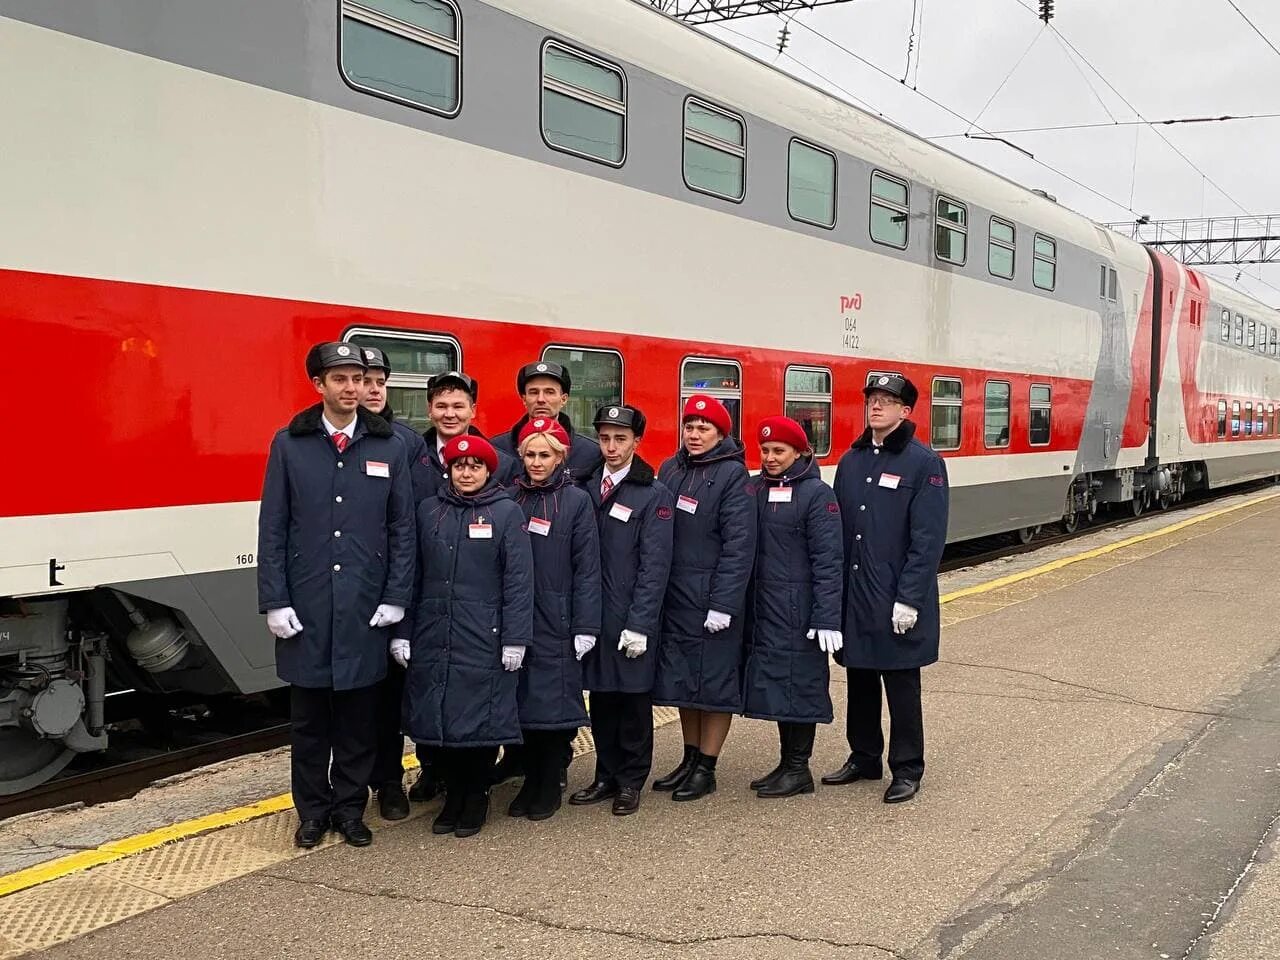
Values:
[(405, 50), (584, 105), (951, 231), (811, 184), (1000, 248), (715, 150), (1044, 264), (890, 209)]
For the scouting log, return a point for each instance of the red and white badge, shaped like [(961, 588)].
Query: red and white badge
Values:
[(480, 531), (779, 494), (619, 512), (890, 480), (376, 468), (687, 504), (540, 527)]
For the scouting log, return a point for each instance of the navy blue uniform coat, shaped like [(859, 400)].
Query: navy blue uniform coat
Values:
[(795, 588), (893, 500), (635, 561), (566, 601), (435, 475), (474, 596), (312, 494), (423, 486), (584, 451), (711, 557)]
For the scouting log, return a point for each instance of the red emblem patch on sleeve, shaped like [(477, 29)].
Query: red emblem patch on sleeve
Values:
[(833, 507), (664, 513), (937, 480)]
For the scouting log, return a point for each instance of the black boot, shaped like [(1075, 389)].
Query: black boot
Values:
[(475, 811), (796, 778), (446, 820), (426, 786), (776, 772), (701, 780), (548, 794), (677, 776)]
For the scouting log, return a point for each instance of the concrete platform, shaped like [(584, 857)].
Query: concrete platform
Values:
[(1103, 781)]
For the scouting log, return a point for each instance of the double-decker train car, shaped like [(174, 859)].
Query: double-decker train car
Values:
[(195, 192)]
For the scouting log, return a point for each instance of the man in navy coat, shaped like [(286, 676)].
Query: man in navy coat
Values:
[(336, 556), (892, 491), (544, 389)]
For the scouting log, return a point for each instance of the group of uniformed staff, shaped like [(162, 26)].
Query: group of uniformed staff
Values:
[(465, 591)]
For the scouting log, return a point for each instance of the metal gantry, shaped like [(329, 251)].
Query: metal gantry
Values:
[(1209, 241), (714, 11)]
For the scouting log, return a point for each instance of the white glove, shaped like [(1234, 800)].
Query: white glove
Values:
[(583, 644), (386, 615), (400, 652), (633, 644), (716, 621), (512, 658), (904, 617), (283, 623), (829, 641)]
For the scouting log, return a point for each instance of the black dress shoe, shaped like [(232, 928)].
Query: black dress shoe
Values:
[(901, 789), (392, 802), (600, 790), (626, 802), (475, 811), (425, 787), (354, 832), (700, 782), (677, 776), (768, 778), (850, 773), (794, 780), (310, 833), (446, 820)]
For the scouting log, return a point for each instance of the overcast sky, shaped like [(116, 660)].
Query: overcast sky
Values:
[(1168, 58)]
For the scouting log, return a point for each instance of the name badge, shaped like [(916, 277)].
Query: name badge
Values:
[(480, 531), (779, 494), (376, 468), (619, 512), (687, 504), (539, 526), (890, 480)]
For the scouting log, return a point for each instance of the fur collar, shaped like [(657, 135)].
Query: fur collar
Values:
[(641, 474), (895, 442), (308, 421)]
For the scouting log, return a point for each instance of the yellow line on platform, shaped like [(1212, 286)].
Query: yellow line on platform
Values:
[(119, 849), (1099, 551)]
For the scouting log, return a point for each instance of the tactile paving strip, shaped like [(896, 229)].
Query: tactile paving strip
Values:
[(181, 869), (66, 908)]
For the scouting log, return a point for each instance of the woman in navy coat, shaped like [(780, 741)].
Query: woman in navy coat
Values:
[(794, 602), (700, 656), (471, 623), (561, 524)]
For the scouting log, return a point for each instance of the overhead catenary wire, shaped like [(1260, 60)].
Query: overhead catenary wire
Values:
[(1245, 17), (1112, 124)]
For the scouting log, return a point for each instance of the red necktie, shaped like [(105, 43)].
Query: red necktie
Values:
[(605, 486), (340, 441)]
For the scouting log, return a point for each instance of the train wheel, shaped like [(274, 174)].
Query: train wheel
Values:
[(1027, 534), (27, 761), (1071, 522), (1137, 504)]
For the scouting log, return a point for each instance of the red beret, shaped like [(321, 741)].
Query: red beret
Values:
[(709, 409), (783, 430), (468, 445), (544, 425)]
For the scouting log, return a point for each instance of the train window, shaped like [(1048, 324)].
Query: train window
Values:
[(995, 425), (1226, 326), (1250, 333), (1239, 329), (584, 105), (890, 209), (1041, 412), (807, 400), (414, 359), (945, 412), (715, 150), (1275, 335), (1235, 418), (1102, 280), (1258, 426), (951, 232), (811, 184), (1222, 419), (1044, 264), (1271, 419), (1113, 291), (721, 379), (597, 381), (405, 50), (1248, 419), (1000, 248), (872, 376), (1262, 337)]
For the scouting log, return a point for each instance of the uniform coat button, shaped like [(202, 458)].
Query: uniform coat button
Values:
[(339, 464), (337, 567), (868, 479), (337, 499), (855, 566), (337, 533), (863, 507), (857, 536)]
